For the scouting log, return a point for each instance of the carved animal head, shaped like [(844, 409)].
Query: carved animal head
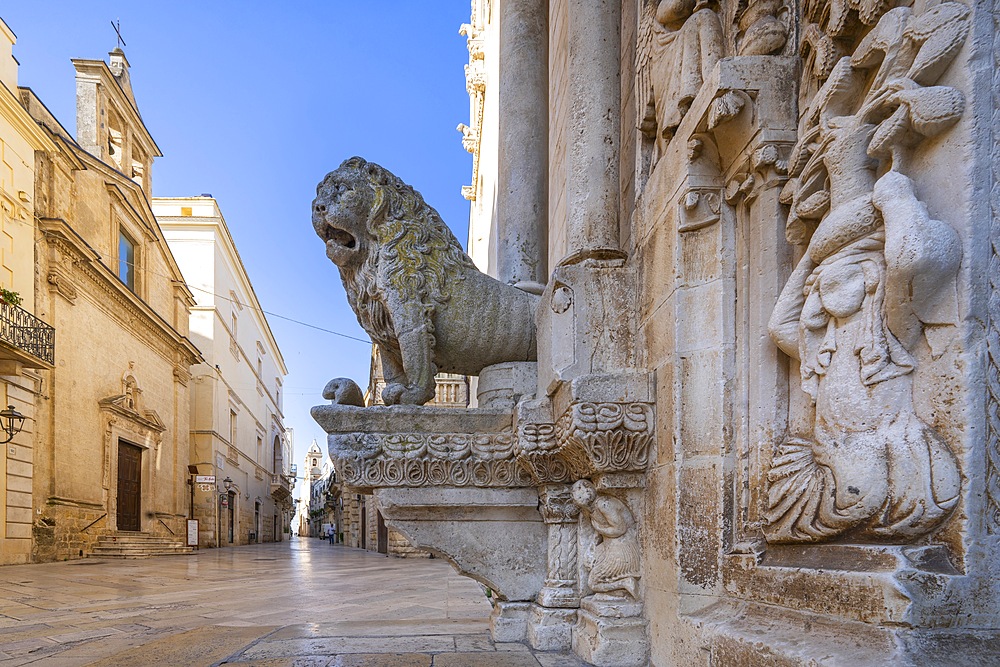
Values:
[(367, 215), (341, 210)]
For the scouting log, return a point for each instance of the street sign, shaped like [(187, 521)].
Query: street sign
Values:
[(205, 479)]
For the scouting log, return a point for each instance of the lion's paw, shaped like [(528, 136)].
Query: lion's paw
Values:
[(392, 393), (414, 395)]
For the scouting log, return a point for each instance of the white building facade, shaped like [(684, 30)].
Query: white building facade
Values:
[(237, 433)]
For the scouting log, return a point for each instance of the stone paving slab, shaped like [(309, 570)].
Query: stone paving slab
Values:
[(300, 604)]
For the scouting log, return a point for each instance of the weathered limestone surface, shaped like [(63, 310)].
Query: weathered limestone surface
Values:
[(764, 428), (495, 536)]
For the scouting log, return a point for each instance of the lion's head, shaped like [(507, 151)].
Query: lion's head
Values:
[(368, 217)]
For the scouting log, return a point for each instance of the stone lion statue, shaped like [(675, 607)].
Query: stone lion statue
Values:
[(413, 288)]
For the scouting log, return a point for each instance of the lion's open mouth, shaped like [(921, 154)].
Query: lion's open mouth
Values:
[(340, 237)]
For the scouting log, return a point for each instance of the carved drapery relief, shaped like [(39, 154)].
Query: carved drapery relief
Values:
[(878, 275), (679, 44), (612, 559)]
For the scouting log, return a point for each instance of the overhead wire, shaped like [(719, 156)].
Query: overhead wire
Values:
[(146, 270)]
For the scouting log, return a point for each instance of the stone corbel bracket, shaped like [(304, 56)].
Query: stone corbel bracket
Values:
[(747, 108), (413, 446), (595, 424)]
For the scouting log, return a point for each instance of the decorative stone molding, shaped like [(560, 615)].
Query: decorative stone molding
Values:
[(606, 437), (442, 446), (591, 436)]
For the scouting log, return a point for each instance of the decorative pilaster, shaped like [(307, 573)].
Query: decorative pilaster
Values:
[(560, 515)]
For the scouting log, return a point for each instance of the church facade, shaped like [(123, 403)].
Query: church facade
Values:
[(111, 441)]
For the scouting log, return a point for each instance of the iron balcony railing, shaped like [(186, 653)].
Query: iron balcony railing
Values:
[(25, 332)]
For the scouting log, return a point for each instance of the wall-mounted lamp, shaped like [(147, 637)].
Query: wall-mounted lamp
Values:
[(11, 421), (228, 483)]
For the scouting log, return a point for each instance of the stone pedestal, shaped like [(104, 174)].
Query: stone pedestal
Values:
[(550, 629), (509, 621), (611, 632)]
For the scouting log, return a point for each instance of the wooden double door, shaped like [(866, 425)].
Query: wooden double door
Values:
[(129, 486)]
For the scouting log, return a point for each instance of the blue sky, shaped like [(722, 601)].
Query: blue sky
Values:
[(255, 104)]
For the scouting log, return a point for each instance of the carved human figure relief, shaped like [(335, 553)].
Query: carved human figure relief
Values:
[(681, 43), (878, 275), (613, 558)]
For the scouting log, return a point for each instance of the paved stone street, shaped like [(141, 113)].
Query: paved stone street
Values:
[(302, 602)]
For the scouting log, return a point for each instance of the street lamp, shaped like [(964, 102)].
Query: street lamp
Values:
[(228, 483), (11, 421)]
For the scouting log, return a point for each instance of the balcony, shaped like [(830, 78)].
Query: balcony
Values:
[(25, 339), (281, 489)]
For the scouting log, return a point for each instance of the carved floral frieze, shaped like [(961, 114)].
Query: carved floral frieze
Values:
[(588, 438), (427, 459)]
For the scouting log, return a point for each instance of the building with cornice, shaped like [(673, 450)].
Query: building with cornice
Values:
[(237, 432), (26, 342), (110, 459)]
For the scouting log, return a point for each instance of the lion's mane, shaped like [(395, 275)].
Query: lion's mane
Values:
[(417, 251)]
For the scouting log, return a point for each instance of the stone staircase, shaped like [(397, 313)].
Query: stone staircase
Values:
[(125, 544)]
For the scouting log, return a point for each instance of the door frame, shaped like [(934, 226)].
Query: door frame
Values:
[(118, 453)]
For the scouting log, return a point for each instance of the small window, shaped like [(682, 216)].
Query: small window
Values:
[(260, 448), (232, 427), (126, 260)]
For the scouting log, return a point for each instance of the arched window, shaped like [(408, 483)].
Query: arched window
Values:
[(277, 462)]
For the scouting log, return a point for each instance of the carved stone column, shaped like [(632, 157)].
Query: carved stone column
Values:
[(595, 96), (552, 618), (522, 197)]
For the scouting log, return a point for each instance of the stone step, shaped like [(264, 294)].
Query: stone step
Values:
[(129, 540), (137, 556), (128, 544), (112, 552)]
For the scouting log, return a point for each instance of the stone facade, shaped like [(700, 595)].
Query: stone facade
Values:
[(761, 425), (111, 442), (237, 430), (24, 357)]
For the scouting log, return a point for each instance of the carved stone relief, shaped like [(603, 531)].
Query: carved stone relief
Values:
[(679, 45), (612, 558), (560, 513), (413, 288), (878, 276)]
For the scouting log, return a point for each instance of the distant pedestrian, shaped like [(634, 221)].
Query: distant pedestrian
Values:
[(330, 534)]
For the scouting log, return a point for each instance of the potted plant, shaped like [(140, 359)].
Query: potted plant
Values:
[(9, 296)]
